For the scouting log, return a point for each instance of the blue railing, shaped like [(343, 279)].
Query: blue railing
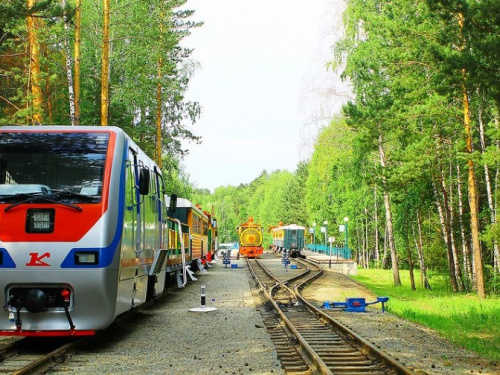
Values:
[(340, 252)]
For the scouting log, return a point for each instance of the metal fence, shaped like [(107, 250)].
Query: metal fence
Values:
[(335, 252)]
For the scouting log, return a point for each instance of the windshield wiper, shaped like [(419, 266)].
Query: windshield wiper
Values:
[(70, 194), (35, 197)]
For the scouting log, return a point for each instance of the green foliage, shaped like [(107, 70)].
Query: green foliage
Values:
[(409, 63), (269, 199), (176, 179), (142, 33)]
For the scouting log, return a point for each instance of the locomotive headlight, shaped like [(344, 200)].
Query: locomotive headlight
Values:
[(40, 220), (86, 257)]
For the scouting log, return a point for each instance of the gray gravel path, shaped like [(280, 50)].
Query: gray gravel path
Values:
[(170, 339)]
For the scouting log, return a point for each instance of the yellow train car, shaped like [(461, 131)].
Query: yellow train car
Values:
[(278, 234), (198, 223), (250, 235)]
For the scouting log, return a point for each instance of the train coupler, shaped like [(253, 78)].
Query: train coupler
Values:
[(19, 322)]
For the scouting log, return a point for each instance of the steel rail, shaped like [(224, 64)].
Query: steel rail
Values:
[(62, 352), (317, 363), (49, 360), (363, 346)]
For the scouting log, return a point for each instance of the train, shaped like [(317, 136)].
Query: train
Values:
[(289, 238), (250, 236), (201, 232), (87, 231)]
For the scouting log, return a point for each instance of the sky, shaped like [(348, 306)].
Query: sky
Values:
[(262, 83)]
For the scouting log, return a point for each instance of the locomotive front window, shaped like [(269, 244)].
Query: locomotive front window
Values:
[(67, 167)]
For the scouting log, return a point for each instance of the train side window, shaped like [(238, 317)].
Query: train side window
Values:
[(144, 181), (130, 196), (173, 203), (152, 184)]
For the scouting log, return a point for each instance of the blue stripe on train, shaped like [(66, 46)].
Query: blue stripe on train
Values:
[(5, 259)]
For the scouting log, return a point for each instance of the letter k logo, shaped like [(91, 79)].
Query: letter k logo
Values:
[(36, 260)]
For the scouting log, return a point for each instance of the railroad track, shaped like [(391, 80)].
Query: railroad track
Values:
[(36, 355), (310, 341)]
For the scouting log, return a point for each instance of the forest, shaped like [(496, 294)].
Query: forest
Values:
[(412, 161), (73, 62)]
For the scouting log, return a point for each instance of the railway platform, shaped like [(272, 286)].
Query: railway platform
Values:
[(335, 263)]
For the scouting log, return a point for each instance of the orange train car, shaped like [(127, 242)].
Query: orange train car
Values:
[(250, 235)]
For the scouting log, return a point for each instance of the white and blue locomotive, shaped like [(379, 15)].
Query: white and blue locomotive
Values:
[(84, 235)]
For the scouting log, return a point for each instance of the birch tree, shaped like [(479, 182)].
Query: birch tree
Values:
[(69, 64), (77, 56), (105, 64), (34, 58)]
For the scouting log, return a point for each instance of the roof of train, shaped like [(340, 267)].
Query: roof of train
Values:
[(97, 128), (184, 203), (291, 226)]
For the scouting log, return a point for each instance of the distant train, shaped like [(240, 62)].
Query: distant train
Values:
[(84, 231), (289, 237), (250, 236)]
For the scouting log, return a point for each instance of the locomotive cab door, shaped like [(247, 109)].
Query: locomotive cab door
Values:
[(132, 236)]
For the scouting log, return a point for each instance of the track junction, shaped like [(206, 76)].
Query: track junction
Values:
[(307, 339)]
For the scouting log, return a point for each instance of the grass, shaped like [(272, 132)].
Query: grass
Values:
[(463, 319)]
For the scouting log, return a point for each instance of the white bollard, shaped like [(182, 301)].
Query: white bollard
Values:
[(203, 307)]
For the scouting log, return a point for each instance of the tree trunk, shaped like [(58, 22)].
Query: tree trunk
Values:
[(35, 72), (363, 252), (489, 191), (77, 53), (158, 116), (69, 65), (446, 236), (48, 92), (466, 254), (385, 256), (451, 215), (388, 214), (377, 250), (408, 251), (420, 251), (496, 254), (476, 245), (159, 94), (366, 240), (105, 65), (410, 264)]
